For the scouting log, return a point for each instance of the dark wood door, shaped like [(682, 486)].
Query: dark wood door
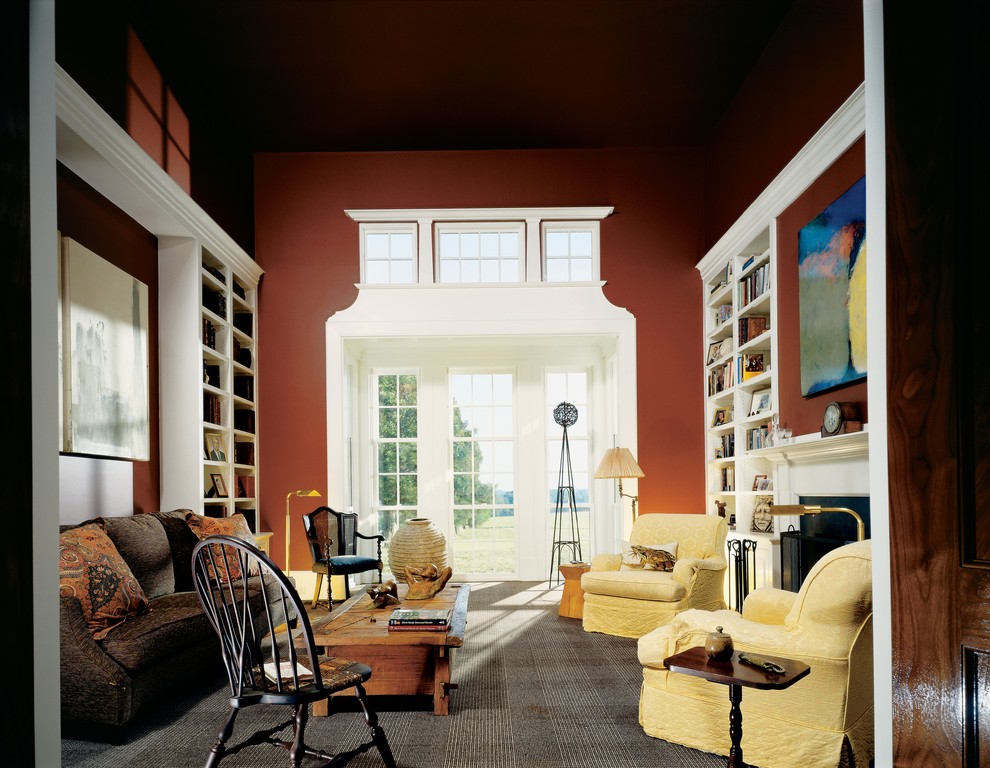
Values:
[(938, 386)]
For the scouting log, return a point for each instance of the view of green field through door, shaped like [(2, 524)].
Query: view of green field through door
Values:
[(483, 460)]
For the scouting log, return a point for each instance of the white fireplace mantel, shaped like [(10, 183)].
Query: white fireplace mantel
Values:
[(812, 448), (811, 465)]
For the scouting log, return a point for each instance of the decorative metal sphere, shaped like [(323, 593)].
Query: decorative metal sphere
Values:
[(565, 414)]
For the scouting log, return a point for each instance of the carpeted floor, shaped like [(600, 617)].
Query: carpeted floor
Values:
[(535, 690)]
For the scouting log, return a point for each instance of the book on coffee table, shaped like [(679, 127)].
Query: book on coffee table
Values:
[(419, 618)]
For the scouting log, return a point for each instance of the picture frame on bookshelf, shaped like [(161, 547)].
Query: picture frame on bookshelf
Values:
[(720, 416), (759, 480), (715, 351), (214, 447), (753, 365), (762, 402), (219, 488)]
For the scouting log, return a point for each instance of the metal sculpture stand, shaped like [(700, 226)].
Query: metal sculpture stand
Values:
[(565, 415)]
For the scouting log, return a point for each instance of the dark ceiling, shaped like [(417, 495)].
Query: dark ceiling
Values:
[(379, 75)]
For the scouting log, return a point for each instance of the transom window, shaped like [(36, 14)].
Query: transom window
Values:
[(570, 252), (388, 254), (479, 246), (472, 254)]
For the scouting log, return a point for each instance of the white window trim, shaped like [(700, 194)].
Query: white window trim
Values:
[(397, 227), (593, 227), (480, 227)]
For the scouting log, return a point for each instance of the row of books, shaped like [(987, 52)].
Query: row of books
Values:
[(245, 486), (757, 438), (752, 326), (215, 301), (209, 334), (212, 408), (754, 285), (725, 446), (727, 479), (419, 620)]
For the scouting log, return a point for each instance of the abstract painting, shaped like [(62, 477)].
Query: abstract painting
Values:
[(832, 293), (104, 357)]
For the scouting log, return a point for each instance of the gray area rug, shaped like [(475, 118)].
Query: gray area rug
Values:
[(534, 690)]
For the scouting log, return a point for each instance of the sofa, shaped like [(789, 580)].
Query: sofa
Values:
[(822, 721), (132, 630), (670, 563)]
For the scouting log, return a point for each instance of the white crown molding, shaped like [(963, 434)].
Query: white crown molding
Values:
[(839, 133), (101, 153), (480, 214)]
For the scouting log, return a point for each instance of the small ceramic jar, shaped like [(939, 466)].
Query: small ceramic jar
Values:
[(719, 645)]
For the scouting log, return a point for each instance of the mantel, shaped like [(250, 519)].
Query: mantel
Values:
[(807, 449)]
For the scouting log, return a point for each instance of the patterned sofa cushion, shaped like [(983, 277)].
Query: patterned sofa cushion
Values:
[(92, 570)]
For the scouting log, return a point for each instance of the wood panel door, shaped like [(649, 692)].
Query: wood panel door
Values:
[(938, 388)]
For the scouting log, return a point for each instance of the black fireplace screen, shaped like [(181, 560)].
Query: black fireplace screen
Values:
[(819, 535)]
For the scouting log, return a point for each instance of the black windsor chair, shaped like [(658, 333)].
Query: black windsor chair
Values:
[(253, 608)]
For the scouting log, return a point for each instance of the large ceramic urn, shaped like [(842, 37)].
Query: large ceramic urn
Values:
[(416, 543)]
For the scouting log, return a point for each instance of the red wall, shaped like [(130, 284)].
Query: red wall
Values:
[(804, 414), (309, 251), (89, 219)]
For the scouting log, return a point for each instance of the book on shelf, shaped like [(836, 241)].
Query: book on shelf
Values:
[(215, 301), (244, 386), (752, 326), (244, 453), (284, 672), (423, 618), (244, 420), (245, 486), (244, 322)]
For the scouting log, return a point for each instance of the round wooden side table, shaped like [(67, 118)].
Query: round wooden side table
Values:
[(572, 598)]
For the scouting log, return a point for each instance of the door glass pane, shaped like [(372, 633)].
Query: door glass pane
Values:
[(483, 465)]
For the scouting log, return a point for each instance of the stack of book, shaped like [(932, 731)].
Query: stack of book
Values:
[(419, 620)]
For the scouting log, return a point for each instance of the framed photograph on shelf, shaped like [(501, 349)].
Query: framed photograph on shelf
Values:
[(759, 482), (214, 447), (219, 489), (721, 416), (762, 402), (714, 351)]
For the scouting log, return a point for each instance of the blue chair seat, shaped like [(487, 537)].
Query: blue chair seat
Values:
[(348, 564)]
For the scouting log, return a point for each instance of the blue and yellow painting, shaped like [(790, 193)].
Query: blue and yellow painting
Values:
[(832, 293)]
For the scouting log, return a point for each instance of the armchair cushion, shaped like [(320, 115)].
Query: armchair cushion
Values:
[(768, 605), (637, 585)]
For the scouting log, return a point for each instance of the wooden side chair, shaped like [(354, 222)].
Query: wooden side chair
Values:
[(332, 538), (247, 600)]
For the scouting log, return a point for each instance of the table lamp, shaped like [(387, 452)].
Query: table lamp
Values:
[(616, 464), (288, 497)]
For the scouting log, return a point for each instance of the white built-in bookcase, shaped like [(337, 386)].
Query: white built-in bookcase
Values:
[(196, 260)]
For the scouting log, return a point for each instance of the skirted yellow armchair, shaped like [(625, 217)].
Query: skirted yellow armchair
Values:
[(822, 721), (629, 601)]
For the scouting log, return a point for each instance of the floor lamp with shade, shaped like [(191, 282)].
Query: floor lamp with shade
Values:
[(288, 498), (616, 464)]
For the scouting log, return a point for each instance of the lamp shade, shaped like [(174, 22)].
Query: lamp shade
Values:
[(618, 463)]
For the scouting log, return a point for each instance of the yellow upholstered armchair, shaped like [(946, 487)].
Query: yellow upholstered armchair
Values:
[(629, 598), (822, 721)]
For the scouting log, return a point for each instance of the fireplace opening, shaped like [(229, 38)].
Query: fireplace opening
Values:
[(818, 535)]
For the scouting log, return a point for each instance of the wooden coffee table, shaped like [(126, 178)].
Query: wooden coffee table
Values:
[(402, 663)]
